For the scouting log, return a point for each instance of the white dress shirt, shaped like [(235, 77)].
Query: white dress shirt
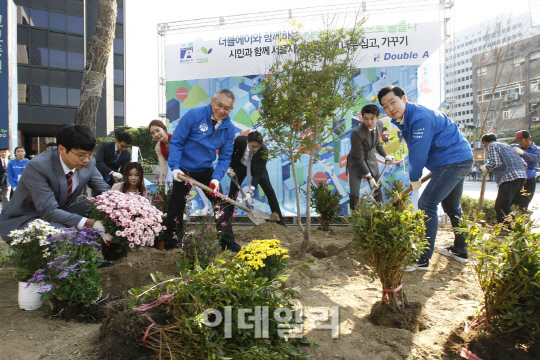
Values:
[(74, 184)]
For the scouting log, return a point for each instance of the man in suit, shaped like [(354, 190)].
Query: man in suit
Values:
[(4, 183), (362, 162), (111, 158), (51, 183), (249, 159)]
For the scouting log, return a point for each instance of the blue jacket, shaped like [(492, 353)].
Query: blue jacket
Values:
[(193, 144), (433, 140), (531, 157), (15, 169)]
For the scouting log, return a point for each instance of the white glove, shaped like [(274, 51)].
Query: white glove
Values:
[(231, 173), (118, 176), (484, 169), (416, 185), (248, 198), (175, 174), (13, 188), (98, 225), (373, 184), (214, 185), (389, 159), (107, 237), (518, 150)]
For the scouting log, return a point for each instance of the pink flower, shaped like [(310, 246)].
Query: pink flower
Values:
[(131, 245), (224, 223)]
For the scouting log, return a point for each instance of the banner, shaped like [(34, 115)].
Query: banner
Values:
[(8, 74), (235, 59)]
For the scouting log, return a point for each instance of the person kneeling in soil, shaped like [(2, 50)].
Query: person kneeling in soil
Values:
[(50, 184), (435, 142), (510, 175)]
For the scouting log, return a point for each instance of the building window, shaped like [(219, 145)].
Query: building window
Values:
[(58, 58), (58, 96), (57, 21), (118, 77), (39, 94), (118, 46), (39, 56), (73, 97), (39, 18), (75, 24), (118, 108), (75, 61)]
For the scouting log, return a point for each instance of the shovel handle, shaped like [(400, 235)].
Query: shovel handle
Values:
[(409, 189), (208, 190), (235, 180)]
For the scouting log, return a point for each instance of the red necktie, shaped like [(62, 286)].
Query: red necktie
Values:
[(70, 185)]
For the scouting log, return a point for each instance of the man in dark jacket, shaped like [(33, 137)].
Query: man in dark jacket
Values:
[(192, 150), (249, 159), (362, 162), (4, 183), (434, 142), (112, 157), (531, 154)]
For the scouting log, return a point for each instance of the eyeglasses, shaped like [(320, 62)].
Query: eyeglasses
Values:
[(82, 157), (219, 106)]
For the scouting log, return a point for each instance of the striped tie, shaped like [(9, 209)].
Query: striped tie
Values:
[(70, 185)]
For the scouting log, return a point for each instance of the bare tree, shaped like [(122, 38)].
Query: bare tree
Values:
[(96, 65)]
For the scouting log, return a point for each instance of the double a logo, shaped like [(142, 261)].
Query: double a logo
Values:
[(186, 53)]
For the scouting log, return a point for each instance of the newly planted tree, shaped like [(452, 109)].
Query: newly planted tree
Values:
[(307, 95)]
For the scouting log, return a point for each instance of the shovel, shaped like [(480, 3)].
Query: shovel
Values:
[(257, 217), (374, 191), (409, 189), (235, 180)]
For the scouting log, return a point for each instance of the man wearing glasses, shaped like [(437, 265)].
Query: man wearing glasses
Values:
[(111, 158), (201, 136), (52, 181)]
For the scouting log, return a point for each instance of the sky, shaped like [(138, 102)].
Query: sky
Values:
[(142, 16)]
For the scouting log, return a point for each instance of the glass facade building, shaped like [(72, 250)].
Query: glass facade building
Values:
[(53, 37)]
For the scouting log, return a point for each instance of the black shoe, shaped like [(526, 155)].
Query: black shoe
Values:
[(450, 251), (104, 263), (232, 247), (421, 264)]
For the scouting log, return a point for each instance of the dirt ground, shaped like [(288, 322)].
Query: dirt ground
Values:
[(449, 293)]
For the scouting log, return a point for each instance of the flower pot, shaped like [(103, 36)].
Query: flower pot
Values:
[(160, 245), (28, 298)]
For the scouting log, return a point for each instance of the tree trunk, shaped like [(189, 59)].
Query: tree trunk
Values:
[(305, 242), (96, 65)]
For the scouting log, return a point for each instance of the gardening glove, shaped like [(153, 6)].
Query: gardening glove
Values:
[(231, 173), (214, 185), (373, 184), (249, 197), (98, 225), (107, 237), (416, 185), (389, 159), (118, 176), (518, 150), (175, 174), (484, 169)]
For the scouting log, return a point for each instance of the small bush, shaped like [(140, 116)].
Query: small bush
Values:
[(508, 270), (389, 239), (226, 287), (326, 204), (265, 257), (469, 206)]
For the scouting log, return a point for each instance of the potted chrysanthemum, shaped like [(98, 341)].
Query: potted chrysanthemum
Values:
[(31, 252)]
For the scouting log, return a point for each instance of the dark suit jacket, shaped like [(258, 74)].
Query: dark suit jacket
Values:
[(3, 174), (42, 192), (258, 161), (105, 156), (362, 159)]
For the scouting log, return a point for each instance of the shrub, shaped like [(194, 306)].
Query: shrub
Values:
[(389, 239), (199, 244), (469, 206), (326, 204), (393, 190), (265, 257), (226, 287), (162, 196), (508, 271)]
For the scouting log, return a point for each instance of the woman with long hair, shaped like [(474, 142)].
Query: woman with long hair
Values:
[(134, 180), (158, 130)]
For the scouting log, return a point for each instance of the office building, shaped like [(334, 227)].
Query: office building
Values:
[(53, 38)]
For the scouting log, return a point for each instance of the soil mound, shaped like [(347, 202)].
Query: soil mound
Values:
[(487, 345), (122, 332), (411, 319), (63, 310), (134, 270), (270, 230)]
